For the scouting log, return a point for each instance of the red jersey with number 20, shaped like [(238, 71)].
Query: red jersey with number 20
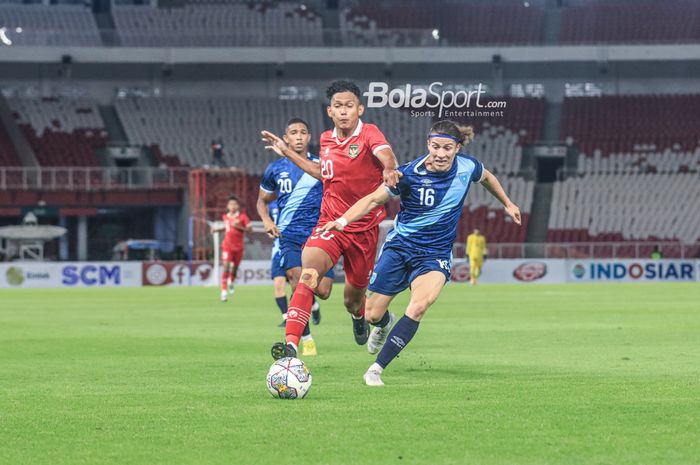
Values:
[(233, 237), (350, 171)]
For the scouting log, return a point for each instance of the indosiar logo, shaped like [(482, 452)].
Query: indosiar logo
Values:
[(656, 271)]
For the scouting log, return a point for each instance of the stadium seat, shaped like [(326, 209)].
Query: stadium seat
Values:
[(61, 131), (199, 24), (58, 25), (183, 128), (630, 207)]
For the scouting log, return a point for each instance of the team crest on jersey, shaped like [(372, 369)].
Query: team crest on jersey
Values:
[(353, 150), (463, 178)]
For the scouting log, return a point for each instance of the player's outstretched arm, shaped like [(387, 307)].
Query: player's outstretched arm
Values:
[(280, 147), (363, 206), (491, 183), (391, 173), (263, 207)]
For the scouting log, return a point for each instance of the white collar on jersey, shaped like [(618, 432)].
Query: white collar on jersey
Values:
[(355, 133), (419, 164)]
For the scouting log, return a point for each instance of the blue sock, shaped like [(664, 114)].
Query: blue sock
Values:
[(282, 304), (384, 321), (399, 337), (307, 331)]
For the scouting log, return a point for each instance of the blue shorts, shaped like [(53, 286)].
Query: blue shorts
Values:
[(396, 269), (276, 267), (290, 256)]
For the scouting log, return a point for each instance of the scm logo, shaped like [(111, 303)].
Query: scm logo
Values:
[(90, 275)]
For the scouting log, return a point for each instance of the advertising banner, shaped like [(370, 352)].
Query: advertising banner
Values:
[(512, 271), (69, 274), (632, 270)]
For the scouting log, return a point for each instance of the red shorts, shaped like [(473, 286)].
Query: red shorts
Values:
[(229, 254), (358, 248)]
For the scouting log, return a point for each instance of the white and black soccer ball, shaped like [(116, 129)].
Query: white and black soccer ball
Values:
[(288, 378)]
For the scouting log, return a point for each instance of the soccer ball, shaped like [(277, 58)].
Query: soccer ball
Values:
[(288, 378)]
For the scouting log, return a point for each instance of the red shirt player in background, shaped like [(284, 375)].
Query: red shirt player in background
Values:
[(236, 224), (355, 160)]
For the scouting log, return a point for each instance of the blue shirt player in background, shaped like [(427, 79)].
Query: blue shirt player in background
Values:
[(418, 251), (279, 275), (298, 196)]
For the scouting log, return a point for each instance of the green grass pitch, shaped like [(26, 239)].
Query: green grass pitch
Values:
[(561, 374)]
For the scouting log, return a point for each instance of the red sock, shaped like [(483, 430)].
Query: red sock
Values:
[(299, 312), (224, 280)]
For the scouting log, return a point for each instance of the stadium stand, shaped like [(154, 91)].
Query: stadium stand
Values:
[(485, 212), (608, 208), (218, 25), (616, 123), (626, 21), (49, 25), (634, 133), (8, 156), (185, 127), (61, 131), (412, 22)]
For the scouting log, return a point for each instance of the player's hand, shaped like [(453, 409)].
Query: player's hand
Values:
[(271, 229), (513, 211), (331, 226), (391, 177), (274, 143)]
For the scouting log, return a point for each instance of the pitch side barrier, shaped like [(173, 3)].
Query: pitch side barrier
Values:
[(257, 272)]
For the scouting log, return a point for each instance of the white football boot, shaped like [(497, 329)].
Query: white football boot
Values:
[(373, 376), (377, 337)]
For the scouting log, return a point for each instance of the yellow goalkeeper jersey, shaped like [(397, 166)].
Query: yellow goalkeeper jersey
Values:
[(476, 245)]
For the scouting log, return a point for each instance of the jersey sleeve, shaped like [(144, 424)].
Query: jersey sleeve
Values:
[(478, 173), (245, 221), (268, 183), (402, 186), (376, 139)]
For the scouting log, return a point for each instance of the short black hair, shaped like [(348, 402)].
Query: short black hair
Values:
[(234, 197), (296, 120), (343, 86)]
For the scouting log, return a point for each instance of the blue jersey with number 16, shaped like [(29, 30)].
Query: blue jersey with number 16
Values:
[(431, 204)]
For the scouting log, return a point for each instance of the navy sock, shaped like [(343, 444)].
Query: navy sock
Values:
[(307, 331), (399, 337), (384, 321), (282, 304), (313, 302)]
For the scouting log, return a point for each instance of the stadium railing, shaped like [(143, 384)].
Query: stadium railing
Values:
[(89, 179)]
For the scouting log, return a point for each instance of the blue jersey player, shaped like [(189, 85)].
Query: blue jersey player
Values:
[(298, 196), (279, 275), (417, 254)]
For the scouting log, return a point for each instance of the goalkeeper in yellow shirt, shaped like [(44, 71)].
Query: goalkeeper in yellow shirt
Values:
[(476, 251)]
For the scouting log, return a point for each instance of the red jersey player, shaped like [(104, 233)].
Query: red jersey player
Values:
[(236, 224), (355, 160)]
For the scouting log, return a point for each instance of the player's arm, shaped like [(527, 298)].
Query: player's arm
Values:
[(263, 207), (363, 206), (388, 160), (280, 147), (491, 183)]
